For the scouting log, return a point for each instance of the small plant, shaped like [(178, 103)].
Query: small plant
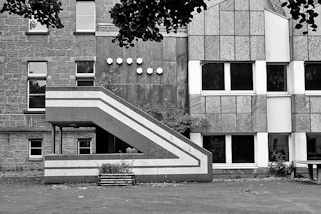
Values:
[(108, 168), (278, 167)]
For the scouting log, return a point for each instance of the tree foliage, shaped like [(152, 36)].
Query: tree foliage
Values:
[(143, 19), (44, 11)]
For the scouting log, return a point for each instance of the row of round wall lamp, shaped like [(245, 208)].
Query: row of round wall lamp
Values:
[(119, 61), (150, 71)]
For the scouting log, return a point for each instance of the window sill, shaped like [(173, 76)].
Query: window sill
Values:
[(84, 33), (234, 166), (34, 159), (313, 92), (278, 94), (34, 111), (212, 92), (37, 33)]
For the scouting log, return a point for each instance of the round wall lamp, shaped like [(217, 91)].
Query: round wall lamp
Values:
[(159, 71), (139, 61), (109, 61), (119, 61), (139, 71), (149, 71), (129, 61)]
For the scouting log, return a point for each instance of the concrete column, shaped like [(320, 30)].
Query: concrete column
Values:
[(296, 77), (194, 77), (262, 149), (300, 147), (197, 138), (260, 77), (228, 149)]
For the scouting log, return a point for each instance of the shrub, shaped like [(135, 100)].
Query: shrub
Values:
[(278, 167), (108, 168)]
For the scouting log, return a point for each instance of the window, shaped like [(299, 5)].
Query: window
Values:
[(85, 73), (278, 147), (241, 76), (213, 76), (85, 16), (227, 77), (35, 27), (216, 145), (84, 146), (276, 78), (35, 148), (314, 147), (37, 73), (313, 76), (242, 149)]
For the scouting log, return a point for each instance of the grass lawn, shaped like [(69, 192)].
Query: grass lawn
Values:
[(238, 196)]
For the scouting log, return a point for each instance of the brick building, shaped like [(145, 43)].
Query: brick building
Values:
[(71, 99)]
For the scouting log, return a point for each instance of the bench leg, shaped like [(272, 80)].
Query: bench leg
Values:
[(319, 174), (310, 166)]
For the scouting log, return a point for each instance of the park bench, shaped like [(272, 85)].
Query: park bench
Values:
[(310, 164)]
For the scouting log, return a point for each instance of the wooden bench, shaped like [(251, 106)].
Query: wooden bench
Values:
[(310, 164)]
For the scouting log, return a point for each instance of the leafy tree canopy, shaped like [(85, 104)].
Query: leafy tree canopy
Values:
[(141, 19)]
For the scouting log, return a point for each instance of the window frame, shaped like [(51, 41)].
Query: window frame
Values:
[(307, 91), (228, 81), (286, 73), (35, 157), (85, 76), (35, 77), (228, 155), (77, 30), (90, 147)]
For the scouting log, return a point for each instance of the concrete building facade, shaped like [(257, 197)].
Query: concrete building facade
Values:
[(71, 100)]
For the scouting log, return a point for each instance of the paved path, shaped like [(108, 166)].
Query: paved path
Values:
[(254, 196)]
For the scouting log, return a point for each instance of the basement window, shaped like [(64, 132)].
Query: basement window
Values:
[(242, 149), (216, 145), (314, 146), (84, 146), (278, 147), (35, 148)]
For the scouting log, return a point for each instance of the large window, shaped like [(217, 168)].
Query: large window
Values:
[(85, 16), (278, 147), (35, 148), (314, 147), (227, 76), (37, 73), (85, 73), (313, 76), (276, 78), (213, 76), (242, 149), (84, 146), (241, 76), (216, 145)]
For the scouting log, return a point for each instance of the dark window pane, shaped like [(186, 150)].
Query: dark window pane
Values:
[(35, 143), (37, 86), (37, 101), (276, 78), (216, 145), (85, 67), (84, 142), (84, 151), (85, 83), (35, 151), (314, 147), (243, 149), (241, 76), (213, 76), (278, 147), (313, 76)]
